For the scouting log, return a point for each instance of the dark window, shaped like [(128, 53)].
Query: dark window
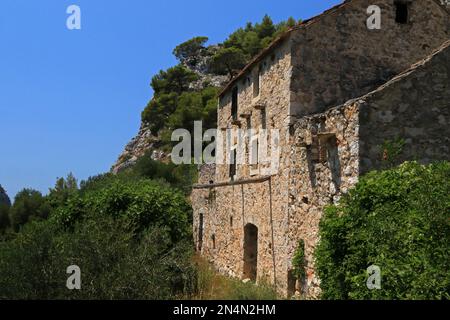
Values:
[(263, 119), (234, 103), (231, 221), (233, 164), (401, 15), (256, 77), (250, 252), (213, 238), (200, 232)]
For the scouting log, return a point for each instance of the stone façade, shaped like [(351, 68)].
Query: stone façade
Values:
[(335, 91)]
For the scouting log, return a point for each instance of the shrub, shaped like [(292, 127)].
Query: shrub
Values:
[(4, 217), (142, 203), (298, 262), (114, 264), (212, 286), (28, 204), (398, 220)]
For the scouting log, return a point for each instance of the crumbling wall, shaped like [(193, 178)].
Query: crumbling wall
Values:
[(323, 165)]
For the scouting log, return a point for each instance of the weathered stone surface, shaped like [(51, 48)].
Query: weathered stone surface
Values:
[(326, 143)]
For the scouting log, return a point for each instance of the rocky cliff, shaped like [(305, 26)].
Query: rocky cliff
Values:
[(145, 141)]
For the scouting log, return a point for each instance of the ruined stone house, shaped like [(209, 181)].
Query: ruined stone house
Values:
[(336, 91)]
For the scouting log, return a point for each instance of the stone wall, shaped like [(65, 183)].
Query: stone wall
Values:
[(323, 165), (415, 106), (325, 146), (337, 58), (264, 203)]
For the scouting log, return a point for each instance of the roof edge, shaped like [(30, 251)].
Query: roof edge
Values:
[(277, 41)]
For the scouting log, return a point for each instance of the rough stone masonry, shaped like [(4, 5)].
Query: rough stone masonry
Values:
[(336, 91)]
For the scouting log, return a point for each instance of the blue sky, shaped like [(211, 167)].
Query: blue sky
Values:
[(71, 99)]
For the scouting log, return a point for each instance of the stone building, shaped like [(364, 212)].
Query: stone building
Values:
[(335, 91)]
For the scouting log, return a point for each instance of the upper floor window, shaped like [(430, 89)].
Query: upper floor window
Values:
[(256, 79), (234, 103), (401, 14), (263, 118), (232, 172)]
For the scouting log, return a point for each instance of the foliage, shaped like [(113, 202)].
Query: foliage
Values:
[(167, 112), (28, 204), (212, 286), (177, 176), (174, 105), (174, 80), (63, 189), (113, 263), (298, 261), (392, 149), (190, 49), (4, 199), (254, 38), (143, 204), (398, 220), (4, 217), (227, 61)]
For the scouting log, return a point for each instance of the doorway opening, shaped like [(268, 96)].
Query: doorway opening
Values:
[(250, 252)]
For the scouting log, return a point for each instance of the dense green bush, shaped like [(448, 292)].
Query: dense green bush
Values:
[(4, 217), (114, 264), (142, 203), (397, 220), (131, 237), (28, 204)]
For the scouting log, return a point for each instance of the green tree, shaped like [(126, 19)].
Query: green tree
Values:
[(115, 264), (189, 50), (266, 28), (64, 188), (142, 203), (158, 110), (397, 220), (228, 60), (4, 199), (291, 22), (4, 217), (28, 204), (175, 79)]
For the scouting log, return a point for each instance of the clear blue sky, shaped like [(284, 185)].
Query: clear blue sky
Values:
[(71, 100)]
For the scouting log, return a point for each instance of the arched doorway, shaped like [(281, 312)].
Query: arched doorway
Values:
[(250, 251)]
